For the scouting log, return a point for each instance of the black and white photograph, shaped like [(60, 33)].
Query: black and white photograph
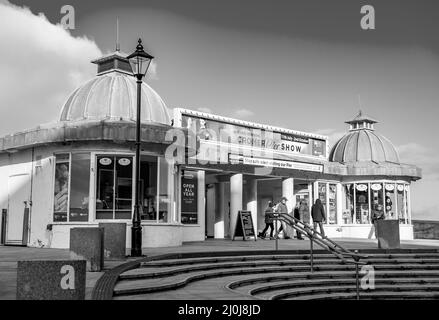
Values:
[(221, 157)]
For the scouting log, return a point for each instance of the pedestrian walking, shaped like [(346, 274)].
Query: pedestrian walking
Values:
[(318, 216), (268, 221), (282, 209), (297, 216)]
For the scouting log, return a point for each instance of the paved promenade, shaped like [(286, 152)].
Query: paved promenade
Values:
[(10, 255)]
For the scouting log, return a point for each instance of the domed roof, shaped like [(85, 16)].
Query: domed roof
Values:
[(112, 95), (363, 144)]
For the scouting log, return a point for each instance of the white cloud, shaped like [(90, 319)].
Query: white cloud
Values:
[(40, 65), (421, 156), (243, 113), (333, 135)]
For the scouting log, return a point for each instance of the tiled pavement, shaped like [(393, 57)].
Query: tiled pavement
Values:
[(10, 255)]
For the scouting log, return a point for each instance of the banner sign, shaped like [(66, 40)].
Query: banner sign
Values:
[(253, 137), (236, 159), (189, 197)]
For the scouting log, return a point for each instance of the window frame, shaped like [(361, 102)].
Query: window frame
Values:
[(94, 186), (69, 187)]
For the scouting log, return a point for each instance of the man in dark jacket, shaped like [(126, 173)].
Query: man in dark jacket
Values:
[(297, 216), (268, 221), (318, 216)]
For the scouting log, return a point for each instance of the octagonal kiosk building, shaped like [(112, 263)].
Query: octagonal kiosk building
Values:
[(79, 171)]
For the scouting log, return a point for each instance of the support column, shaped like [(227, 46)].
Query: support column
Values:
[(409, 205), (310, 202), (252, 201), (235, 200), (201, 202), (339, 203), (288, 192), (219, 210)]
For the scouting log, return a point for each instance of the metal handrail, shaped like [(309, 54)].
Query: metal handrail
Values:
[(307, 229), (326, 243)]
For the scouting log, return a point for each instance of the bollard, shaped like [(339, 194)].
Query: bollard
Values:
[(115, 235), (88, 244)]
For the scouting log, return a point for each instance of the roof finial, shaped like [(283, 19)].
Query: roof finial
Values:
[(117, 35), (359, 105)]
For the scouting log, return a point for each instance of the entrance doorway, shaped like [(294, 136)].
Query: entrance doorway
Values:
[(17, 223)]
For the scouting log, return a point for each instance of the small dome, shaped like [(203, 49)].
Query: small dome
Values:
[(363, 144), (113, 96)]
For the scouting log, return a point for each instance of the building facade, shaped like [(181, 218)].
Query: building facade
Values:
[(197, 170)]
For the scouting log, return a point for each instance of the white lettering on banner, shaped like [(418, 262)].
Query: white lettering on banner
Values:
[(277, 163), (68, 281)]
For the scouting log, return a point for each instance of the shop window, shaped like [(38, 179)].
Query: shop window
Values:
[(79, 187), (376, 196), (348, 204), (114, 187), (390, 202), (148, 187), (61, 191), (332, 216), (401, 203), (165, 188), (362, 214), (72, 185)]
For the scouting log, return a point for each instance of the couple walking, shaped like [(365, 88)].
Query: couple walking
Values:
[(280, 208), (317, 213)]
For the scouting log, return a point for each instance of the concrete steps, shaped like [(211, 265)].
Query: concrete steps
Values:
[(281, 276)]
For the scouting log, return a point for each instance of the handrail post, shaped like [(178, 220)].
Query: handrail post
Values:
[(276, 235), (357, 278), (357, 281), (312, 253)]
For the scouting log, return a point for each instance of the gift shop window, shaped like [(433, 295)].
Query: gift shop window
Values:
[(72, 186), (114, 184)]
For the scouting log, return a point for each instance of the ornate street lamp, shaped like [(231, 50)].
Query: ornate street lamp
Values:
[(139, 61)]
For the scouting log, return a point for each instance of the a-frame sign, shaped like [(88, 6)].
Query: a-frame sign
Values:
[(244, 226)]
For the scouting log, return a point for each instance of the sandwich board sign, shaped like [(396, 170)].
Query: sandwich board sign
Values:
[(244, 226)]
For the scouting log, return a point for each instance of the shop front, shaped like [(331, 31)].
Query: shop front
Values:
[(79, 171)]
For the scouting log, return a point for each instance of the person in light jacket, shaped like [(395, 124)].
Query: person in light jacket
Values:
[(283, 210), (318, 216)]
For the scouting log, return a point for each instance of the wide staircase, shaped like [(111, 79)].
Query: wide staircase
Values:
[(401, 274), (333, 272)]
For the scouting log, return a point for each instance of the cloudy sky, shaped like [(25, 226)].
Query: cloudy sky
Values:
[(295, 64)]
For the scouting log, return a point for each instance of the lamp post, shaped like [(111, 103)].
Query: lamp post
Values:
[(139, 61)]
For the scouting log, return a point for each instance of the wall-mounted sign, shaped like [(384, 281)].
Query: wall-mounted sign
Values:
[(390, 187), (273, 163), (189, 198), (376, 186), (361, 187), (105, 161), (124, 161), (253, 137)]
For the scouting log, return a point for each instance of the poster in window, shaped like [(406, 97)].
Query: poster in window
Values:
[(61, 192), (189, 203)]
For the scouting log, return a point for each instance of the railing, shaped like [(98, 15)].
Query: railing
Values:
[(345, 255)]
